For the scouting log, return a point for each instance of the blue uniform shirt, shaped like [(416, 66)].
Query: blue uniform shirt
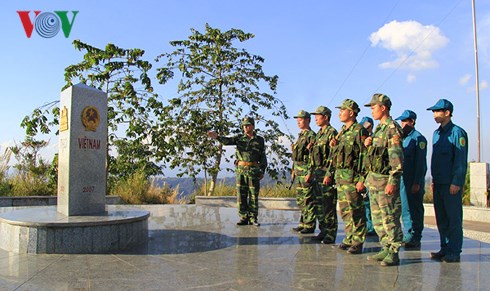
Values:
[(449, 155), (415, 159)]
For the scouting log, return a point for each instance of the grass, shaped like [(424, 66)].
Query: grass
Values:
[(271, 190), (137, 189)]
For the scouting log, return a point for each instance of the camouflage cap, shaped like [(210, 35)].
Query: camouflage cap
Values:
[(349, 104), (381, 99), (322, 110), (248, 120), (302, 114)]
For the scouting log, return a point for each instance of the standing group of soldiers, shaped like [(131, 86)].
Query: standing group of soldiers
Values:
[(381, 171), (387, 169)]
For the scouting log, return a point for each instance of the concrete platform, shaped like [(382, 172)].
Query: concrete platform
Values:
[(42, 229), (200, 248)]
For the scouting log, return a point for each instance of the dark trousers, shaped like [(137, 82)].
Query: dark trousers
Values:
[(449, 217), (416, 207)]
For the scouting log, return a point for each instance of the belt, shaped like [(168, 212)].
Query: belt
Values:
[(247, 164)]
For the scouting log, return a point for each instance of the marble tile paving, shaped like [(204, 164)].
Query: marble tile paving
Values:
[(200, 248)]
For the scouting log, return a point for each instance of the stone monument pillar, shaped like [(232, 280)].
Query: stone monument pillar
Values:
[(479, 184), (82, 151)]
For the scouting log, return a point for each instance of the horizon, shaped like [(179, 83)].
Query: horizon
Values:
[(413, 51)]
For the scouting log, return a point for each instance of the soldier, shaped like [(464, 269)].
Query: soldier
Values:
[(384, 165), (413, 180), (368, 124), (346, 167), (448, 169), (251, 163), (326, 196), (302, 172)]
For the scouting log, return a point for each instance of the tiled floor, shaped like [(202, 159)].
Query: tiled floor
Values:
[(201, 248)]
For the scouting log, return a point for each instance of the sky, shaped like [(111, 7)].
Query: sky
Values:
[(415, 51)]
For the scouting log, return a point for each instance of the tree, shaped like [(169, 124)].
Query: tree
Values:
[(218, 84), (132, 105), (32, 171)]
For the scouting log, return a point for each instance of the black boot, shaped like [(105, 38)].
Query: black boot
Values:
[(319, 237), (243, 221)]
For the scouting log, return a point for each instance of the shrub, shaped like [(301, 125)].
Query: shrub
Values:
[(29, 185), (137, 189), (277, 190), (270, 190), (31, 177)]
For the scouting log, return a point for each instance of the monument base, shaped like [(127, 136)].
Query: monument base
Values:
[(479, 184), (43, 230)]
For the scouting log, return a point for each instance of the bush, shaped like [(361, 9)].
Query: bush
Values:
[(270, 190), (31, 176), (277, 190), (30, 185), (137, 189), (428, 196), (221, 189)]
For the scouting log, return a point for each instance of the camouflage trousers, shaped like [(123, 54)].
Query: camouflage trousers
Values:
[(248, 188), (326, 206), (305, 197), (385, 212), (351, 206)]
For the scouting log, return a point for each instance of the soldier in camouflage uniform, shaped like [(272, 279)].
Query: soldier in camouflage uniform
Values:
[(325, 196), (251, 163), (384, 165), (346, 167), (302, 172)]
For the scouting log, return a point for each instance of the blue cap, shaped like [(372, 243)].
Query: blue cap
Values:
[(407, 114), (442, 104), (367, 119)]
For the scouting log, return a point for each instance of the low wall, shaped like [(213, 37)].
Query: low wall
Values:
[(471, 213), (8, 201)]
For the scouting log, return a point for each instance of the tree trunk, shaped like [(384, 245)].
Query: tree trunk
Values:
[(212, 184), (214, 173)]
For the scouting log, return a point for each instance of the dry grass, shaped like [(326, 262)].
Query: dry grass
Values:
[(272, 190), (137, 189)]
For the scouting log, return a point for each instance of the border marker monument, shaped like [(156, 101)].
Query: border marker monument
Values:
[(80, 223)]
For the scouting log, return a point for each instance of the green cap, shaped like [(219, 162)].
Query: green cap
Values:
[(381, 99), (349, 104), (322, 110), (247, 121), (302, 114)]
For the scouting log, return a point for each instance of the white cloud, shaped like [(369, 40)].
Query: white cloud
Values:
[(483, 85), (412, 42), (411, 78), (464, 80)]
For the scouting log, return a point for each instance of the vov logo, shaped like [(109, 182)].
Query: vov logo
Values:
[(47, 24)]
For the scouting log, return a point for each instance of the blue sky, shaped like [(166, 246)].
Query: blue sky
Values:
[(322, 51)]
